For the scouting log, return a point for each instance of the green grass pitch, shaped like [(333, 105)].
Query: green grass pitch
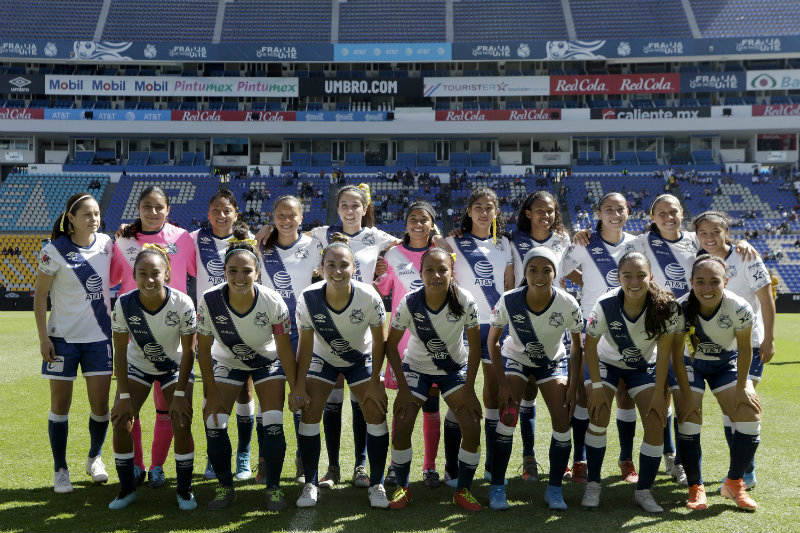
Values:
[(28, 503)]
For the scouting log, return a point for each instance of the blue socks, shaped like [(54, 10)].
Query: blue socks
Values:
[(184, 464), (579, 423), (527, 426), (452, 443), (124, 464), (502, 453), (245, 420), (332, 424), (595, 453), (626, 426), (691, 452), (98, 427), (274, 445), (649, 460), (219, 449), (560, 446), (746, 437), (669, 446), (401, 462), (58, 429), (377, 449), (490, 419), (359, 433), (309, 445), (467, 464)]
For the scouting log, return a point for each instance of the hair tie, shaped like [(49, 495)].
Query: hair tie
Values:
[(245, 250), (453, 257), (251, 242), (494, 230), (364, 187), (69, 208), (154, 246)]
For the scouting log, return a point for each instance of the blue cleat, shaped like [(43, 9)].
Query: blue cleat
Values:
[(139, 475), (497, 498), (750, 479), (450, 481), (554, 498), (243, 471), (122, 502), (488, 477), (209, 474), (156, 477), (189, 504)]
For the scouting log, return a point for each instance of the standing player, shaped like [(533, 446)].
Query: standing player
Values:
[(74, 269), (750, 280), (484, 266), (154, 329), (244, 326), (630, 337), (341, 323), (538, 224), (537, 315), (438, 315), (718, 325), (152, 227), (402, 276)]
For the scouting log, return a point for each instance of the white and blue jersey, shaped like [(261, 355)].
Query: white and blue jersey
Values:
[(367, 244), (598, 264), (670, 261), (341, 338), (210, 258), (535, 339), (154, 344), (522, 244), (246, 341), (79, 293), (745, 278), (436, 345)]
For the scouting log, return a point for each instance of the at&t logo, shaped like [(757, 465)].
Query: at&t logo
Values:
[(484, 274)]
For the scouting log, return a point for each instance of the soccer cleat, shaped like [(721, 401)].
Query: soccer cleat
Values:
[(309, 496), (156, 477), (276, 499), (497, 498), (139, 475), (360, 477), (61, 482), (243, 471), (223, 498), (487, 476), (261, 471), (669, 463), (431, 479), (567, 474), (450, 481), (644, 499), (591, 495), (121, 502), (96, 469), (628, 471), (749, 479), (679, 475), (554, 498), (530, 470), (299, 475), (735, 489), (187, 504), (400, 499), (697, 498), (579, 472), (209, 474), (390, 481), (464, 499), (331, 478), (377, 496)]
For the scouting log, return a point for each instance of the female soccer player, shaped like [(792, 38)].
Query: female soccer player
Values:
[(437, 315), (74, 269), (402, 276), (485, 267), (630, 337), (154, 329), (750, 280), (537, 315), (245, 327), (341, 324), (597, 263), (718, 325), (152, 227), (538, 224)]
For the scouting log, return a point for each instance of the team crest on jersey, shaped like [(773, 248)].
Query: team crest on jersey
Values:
[(757, 271), (356, 316), (172, 319), (132, 250), (261, 319), (452, 317), (135, 320), (74, 257), (45, 259), (243, 352), (556, 320), (724, 321), (188, 319), (172, 248), (732, 271), (631, 356), (368, 240), (301, 253)]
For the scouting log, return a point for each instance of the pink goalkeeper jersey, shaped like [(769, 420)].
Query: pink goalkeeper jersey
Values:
[(178, 243)]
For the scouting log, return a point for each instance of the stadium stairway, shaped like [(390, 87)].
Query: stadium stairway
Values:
[(18, 272)]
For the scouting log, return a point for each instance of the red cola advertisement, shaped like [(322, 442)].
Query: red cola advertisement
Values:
[(16, 113), (477, 115), (233, 116), (777, 110), (616, 84)]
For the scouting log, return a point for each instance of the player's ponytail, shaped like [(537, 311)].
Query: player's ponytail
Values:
[(659, 303)]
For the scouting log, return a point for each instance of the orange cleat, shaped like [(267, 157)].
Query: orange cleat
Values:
[(735, 489), (697, 498), (464, 499), (579, 472), (400, 499), (628, 471)]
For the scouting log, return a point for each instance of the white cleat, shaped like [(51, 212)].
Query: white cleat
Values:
[(96, 469), (669, 463), (679, 475), (591, 495), (61, 482), (309, 496), (377, 497), (644, 499)]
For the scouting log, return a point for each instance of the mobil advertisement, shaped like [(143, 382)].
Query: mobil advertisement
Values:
[(170, 86), (409, 87), (487, 86), (776, 110), (476, 115), (616, 84), (650, 114), (773, 80)]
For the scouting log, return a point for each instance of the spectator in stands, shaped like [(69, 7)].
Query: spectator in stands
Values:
[(16, 250)]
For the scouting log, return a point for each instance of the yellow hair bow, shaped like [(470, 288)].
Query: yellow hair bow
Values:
[(156, 247), (365, 188), (251, 242)]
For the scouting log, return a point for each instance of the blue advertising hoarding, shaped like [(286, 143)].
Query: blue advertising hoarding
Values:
[(392, 52), (108, 114)]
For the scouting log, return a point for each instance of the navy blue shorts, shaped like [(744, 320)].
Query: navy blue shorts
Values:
[(636, 380), (485, 357), (720, 374), (165, 380), (420, 383), (540, 374), (756, 366), (354, 374), (236, 376), (94, 358)]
